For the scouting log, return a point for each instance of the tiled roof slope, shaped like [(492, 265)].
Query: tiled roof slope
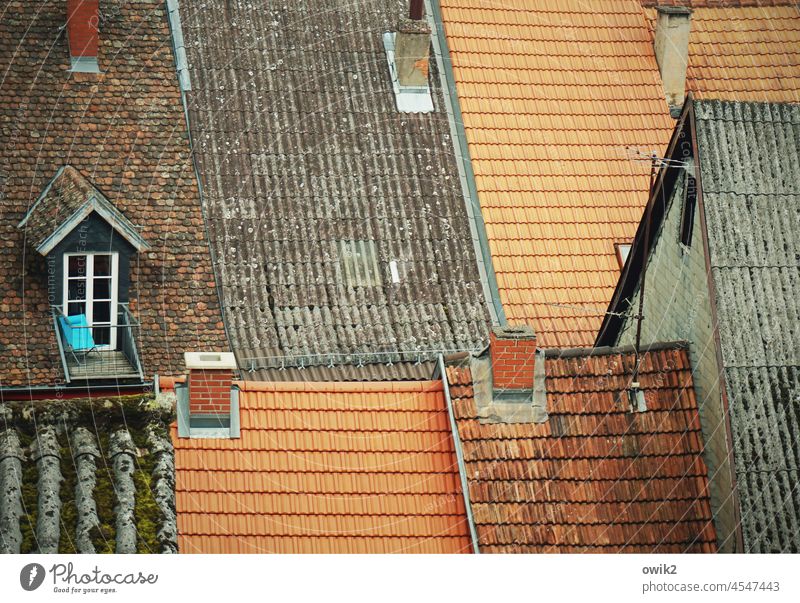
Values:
[(300, 147), (325, 468), (750, 168), (552, 95), (125, 131), (87, 476), (744, 51), (595, 477)]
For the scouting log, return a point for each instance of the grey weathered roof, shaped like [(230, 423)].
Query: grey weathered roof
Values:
[(300, 147), (66, 200), (750, 170), (87, 476)]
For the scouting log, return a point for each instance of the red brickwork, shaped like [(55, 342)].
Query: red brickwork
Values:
[(513, 351), (210, 391), (82, 27)]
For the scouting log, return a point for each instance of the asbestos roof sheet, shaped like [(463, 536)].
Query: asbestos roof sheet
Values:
[(87, 476), (595, 477), (304, 158), (325, 468), (552, 96), (743, 51), (750, 169)]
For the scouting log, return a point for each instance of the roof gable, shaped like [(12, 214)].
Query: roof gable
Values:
[(64, 203)]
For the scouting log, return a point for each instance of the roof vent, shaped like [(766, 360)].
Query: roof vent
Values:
[(83, 34), (672, 52), (407, 52)]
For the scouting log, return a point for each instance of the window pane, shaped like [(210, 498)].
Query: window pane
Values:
[(102, 288), (76, 289), (102, 265), (102, 312), (101, 335), (74, 309), (77, 265)]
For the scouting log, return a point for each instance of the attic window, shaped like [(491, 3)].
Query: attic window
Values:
[(358, 263), (623, 250), (689, 204)]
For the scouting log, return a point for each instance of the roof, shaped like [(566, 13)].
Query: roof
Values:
[(552, 96), (325, 468), (87, 476), (750, 168), (743, 51), (66, 200), (595, 477), (124, 130), (303, 155), (749, 156)]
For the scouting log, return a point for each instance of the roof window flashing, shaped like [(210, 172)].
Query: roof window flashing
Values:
[(409, 99), (206, 426), (84, 65)]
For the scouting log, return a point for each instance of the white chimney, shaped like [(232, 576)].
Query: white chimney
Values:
[(672, 52)]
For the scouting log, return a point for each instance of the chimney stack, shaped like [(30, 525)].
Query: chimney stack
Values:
[(83, 22), (672, 52), (210, 382), (513, 353), (412, 47)]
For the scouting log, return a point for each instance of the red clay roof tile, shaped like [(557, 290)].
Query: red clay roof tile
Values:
[(325, 468), (594, 477)]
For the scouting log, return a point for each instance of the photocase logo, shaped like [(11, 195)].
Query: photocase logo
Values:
[(31, 576)]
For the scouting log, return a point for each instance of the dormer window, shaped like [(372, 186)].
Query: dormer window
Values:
[(88, 245)]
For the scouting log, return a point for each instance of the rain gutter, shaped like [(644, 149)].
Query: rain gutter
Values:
[(462, 470)]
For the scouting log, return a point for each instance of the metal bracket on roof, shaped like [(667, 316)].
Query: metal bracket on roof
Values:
[(636, 399), (409, 99)]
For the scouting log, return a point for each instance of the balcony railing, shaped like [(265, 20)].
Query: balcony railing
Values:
[(98, 351)]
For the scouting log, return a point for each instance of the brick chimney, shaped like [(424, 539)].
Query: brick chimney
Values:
[(210, 381), (513, 353), (672, 52), (412, 47), (83, 20)]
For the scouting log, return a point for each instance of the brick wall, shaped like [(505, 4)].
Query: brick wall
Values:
[(513, 351), (677, 307), (82, 27), (210, 391)]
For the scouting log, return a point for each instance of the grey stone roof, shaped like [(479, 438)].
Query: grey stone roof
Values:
[(750, 168), (301, 149), (87, 476)]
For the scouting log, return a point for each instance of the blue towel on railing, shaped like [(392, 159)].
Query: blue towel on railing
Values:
[(78, 338)]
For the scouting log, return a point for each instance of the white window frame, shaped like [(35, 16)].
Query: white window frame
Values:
[(89, 301)]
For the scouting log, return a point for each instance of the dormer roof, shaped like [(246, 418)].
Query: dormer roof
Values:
[(64, 203)]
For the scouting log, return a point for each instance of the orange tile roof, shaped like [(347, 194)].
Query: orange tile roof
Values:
[(743, 53), (594, 477), (552, 94), (325, 468)]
